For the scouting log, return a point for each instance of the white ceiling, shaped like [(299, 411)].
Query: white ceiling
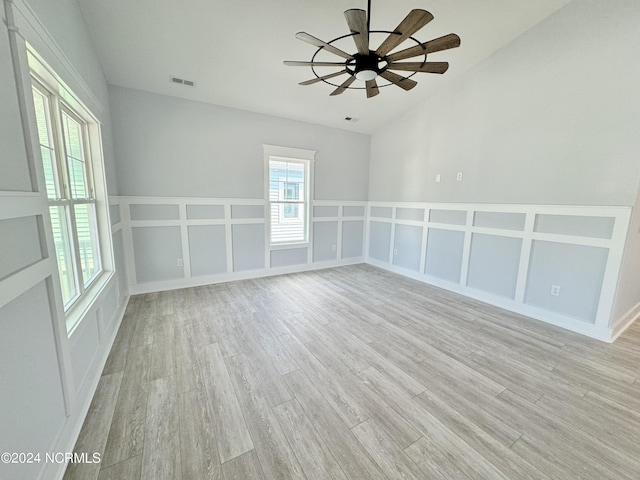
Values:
[(234, 50)]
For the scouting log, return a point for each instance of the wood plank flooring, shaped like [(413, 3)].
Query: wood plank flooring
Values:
[(357, 373)]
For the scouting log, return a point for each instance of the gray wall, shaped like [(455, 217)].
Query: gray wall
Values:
[(168, 146), (352, 238), (379, 240), (444, 254), (325, 236), (493, 264), (577, 269), (407, 246), (539, 122), (158, 250), (208, 249)]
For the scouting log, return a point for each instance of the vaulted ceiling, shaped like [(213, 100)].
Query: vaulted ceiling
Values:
[(234, 49)]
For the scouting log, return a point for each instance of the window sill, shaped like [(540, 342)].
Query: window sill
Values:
[(92, 295)]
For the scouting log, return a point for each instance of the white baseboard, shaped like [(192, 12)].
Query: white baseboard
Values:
[(625, 322), (230, 277), (568, 323), (69, 435)]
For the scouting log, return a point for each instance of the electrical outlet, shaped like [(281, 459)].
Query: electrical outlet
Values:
[(459, 177), (395, 251), (179, 262), (555, 290), (333, 248), (438, 178)]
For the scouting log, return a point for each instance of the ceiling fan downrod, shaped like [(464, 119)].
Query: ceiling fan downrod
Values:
[(368, 20)]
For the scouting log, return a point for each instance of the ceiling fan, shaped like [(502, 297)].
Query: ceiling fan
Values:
[(367, 65)]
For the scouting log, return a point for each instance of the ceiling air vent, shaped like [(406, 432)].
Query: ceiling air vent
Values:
[(182, 81)]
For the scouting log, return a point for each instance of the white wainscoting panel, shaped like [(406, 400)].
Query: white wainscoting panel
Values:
[(177, 242), (511, 256)]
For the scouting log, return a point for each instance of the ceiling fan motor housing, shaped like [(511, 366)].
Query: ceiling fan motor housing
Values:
[(366, 67)]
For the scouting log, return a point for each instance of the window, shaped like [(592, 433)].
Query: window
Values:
[(288, 200), (64, 145), (288, 185)]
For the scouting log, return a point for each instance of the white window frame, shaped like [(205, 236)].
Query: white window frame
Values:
[(61, 98), (294, 155)]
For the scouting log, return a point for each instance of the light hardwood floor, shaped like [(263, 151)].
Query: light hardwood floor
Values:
[(357, 373)]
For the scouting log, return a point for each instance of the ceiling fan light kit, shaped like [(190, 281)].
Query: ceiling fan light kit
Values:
[(366, 75), (367, 65)]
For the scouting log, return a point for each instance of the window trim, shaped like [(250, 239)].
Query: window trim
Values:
[(289, 154), (61, 99)]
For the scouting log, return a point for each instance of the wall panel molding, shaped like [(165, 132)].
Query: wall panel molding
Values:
[(246, 265), (552, 309), (596, 323)]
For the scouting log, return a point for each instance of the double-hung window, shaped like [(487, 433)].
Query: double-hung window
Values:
[(288, 198), (66, 157), (289, 172)]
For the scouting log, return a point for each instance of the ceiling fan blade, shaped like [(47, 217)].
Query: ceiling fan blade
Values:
[(344, 86), (325, 77), (414, 21), (357, 22), (316, 42), (372, 88), (443, 43), (402, 82), (428, 67), (313, 64)]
